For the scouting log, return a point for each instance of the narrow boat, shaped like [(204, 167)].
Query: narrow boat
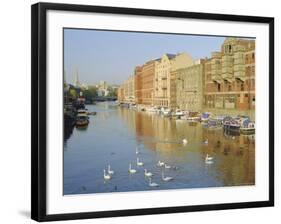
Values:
[(215, 122), (82, 112), (205, 116), (178, 113), (82, 120), (193, 116), (247, 127), (231, 124)]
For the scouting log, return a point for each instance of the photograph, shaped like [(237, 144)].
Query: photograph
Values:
[(152, 111)]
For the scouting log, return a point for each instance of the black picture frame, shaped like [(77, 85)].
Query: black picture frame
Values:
[(39, 108)]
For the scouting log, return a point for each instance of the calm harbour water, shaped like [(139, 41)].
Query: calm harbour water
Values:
[(114, 133)]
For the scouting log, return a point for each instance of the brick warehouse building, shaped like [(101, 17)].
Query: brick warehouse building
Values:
[(230, 78), (144, 81)]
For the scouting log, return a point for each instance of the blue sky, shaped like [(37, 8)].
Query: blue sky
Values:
[(112, 56)]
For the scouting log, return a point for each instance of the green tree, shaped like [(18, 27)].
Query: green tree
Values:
[(73, 93)]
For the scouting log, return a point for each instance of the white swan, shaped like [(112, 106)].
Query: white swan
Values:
[(109, 171), (131, 170), (152, 184), (160, 163), (147, 174), (208, 159), (184, 141), (206, 141), (106, 176), (166, 178), (167, 166), (139, 163)]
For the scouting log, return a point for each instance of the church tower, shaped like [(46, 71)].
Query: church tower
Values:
[(76, 79)]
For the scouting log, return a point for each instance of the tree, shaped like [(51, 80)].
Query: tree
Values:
[(90, 93), (73, 93)]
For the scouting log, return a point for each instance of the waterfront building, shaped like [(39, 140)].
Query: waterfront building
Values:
[(189, 86), (230, 78), (129, 90), (120, 94), (164, 80), (102, 89), (144, 81)]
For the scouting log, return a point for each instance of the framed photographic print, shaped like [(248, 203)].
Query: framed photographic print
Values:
[(140, 111)]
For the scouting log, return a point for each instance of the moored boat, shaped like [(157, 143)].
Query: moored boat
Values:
[(231, 124), (247, 127), (178, 113), (193, 116), (82, 120), (166, 111), (205, 116)]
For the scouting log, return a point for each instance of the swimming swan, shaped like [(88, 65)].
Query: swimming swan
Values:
[(109, 171), (147, 174), (131, 170), (167, 166), (166, 178), (208, 159), (184, 141), (139, 163), (160, 163), (106, 176), (152, 184)]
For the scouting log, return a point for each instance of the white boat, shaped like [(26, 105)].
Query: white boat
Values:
[(152, 110), (165, 111), (247, 127), (178, 113)]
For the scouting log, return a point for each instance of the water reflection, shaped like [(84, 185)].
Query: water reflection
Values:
[(114, 133)]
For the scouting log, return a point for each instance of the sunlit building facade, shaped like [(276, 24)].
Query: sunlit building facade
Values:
[(189, 87), (164, 79), (230, 77), (129, 90), (144, 82)]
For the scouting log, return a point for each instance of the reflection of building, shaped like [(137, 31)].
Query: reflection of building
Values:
[(164, 85), (189, 87), (144, 79), (230, 76)]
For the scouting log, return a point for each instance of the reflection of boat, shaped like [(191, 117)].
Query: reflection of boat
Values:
[(152, 110), (92, 113)]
